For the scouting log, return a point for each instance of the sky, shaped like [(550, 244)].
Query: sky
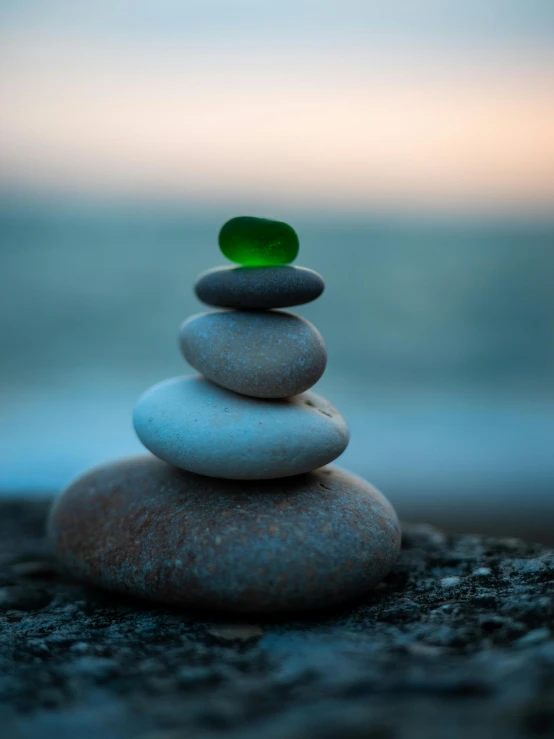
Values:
[(418, 105)]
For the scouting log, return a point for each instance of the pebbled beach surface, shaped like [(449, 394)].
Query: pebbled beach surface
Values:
[(457, 641)]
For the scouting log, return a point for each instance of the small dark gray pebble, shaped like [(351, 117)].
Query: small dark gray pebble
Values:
[(263, 354), (258, 288)]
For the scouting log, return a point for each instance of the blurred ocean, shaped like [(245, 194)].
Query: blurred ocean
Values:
[(440, 335)]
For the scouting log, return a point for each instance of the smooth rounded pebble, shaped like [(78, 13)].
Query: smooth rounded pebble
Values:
[(265, 354), (142, 527), (258, 241), (203, 428), (258, 288)]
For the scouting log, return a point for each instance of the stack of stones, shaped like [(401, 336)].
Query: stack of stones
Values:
[(235, 509)]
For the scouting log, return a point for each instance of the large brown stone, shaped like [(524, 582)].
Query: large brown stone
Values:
[(143, 527)]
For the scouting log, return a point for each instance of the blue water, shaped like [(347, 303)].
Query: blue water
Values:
[(439, 332)]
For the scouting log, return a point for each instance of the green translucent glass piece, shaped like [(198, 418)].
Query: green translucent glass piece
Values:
[(256, 242)]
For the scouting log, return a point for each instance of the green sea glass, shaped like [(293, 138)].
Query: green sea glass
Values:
[(257, 242)]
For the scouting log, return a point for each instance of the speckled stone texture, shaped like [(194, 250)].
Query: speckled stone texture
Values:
[(456, 642), (143, 527), (198, 426), (258, 288), (265, 354)]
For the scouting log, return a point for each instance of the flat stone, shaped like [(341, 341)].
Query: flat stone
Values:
[(143, 527), (258, 288), (203, 428), (264, 354)]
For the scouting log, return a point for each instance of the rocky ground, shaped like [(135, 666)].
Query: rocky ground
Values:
[(456, 642)]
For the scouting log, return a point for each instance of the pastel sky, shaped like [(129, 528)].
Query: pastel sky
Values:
[(422, 104)]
